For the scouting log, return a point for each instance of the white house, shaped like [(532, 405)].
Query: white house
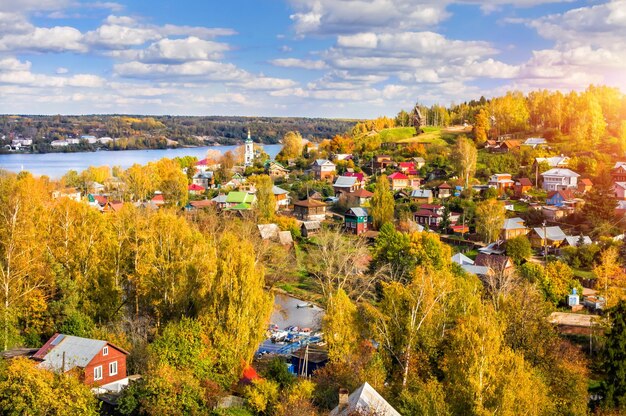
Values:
[(89, 138), (559, 179), (535, 141), (554, 161), (363, 401), (22, 142), (70, 193)]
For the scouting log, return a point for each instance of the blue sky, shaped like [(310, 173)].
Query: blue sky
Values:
[(316, 58)]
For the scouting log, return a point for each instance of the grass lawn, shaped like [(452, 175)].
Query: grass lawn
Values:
[(396, 134), (520, 206), (431, 135), (584, 274)]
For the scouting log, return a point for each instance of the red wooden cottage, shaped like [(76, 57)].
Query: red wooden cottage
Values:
[(101, 362)]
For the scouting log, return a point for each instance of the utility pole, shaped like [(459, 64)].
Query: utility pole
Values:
[(536, 174), (463, 229), (305, 366), (545, 245)]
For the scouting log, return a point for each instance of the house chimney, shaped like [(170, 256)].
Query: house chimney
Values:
[(343, 399)]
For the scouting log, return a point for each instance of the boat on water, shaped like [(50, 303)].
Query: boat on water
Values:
[(304, 305)]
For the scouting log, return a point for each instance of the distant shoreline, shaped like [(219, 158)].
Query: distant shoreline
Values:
[(104, 149)]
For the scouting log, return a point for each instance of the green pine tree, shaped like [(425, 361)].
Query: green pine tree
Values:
[(614, 386)]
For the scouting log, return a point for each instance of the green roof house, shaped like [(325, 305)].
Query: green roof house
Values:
[(236, 200)]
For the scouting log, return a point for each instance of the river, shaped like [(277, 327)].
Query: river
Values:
[(286, 313), (56, 165)]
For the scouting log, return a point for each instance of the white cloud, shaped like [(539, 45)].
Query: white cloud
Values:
[(62, 70), (32, 5), (299, 63), (85, 81), (267, 83), (16, 72), (108, 5), (330, 17), (14, 23), (13, 64), (589, 47), (201, 32), (115, 36), (121, 32), (352, 16), (222, 98), (54, 39), (175, 50), (359, 40), (201, 70)]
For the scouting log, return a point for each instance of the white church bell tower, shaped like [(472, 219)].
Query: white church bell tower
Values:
[(249, 151)]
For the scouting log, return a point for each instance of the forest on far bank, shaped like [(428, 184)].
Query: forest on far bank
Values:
[(151, 132)]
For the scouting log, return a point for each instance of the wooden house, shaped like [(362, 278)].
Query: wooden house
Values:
[(310, 228), (497, 263), (422, 196), (513, 227), (323, 169), (585, 185), (522, 186), (559, 198), (101, 363), (618, 173), (552, 236), (356, 220), (501, 182), (444, 190), (283, 200), (382, 162), (359, 198), (346, 184), (309, 210), (276, 170)]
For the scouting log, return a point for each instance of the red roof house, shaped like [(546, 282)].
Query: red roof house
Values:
[(101, 362), (194, 189), (158, 199), (359, 175), (522, 186), (398, 181), (101, 199), (113, 206), (585, 185), (444, 190)]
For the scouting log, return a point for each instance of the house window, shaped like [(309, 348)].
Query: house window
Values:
[(105, 351), (97, 373), (113, 368)]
